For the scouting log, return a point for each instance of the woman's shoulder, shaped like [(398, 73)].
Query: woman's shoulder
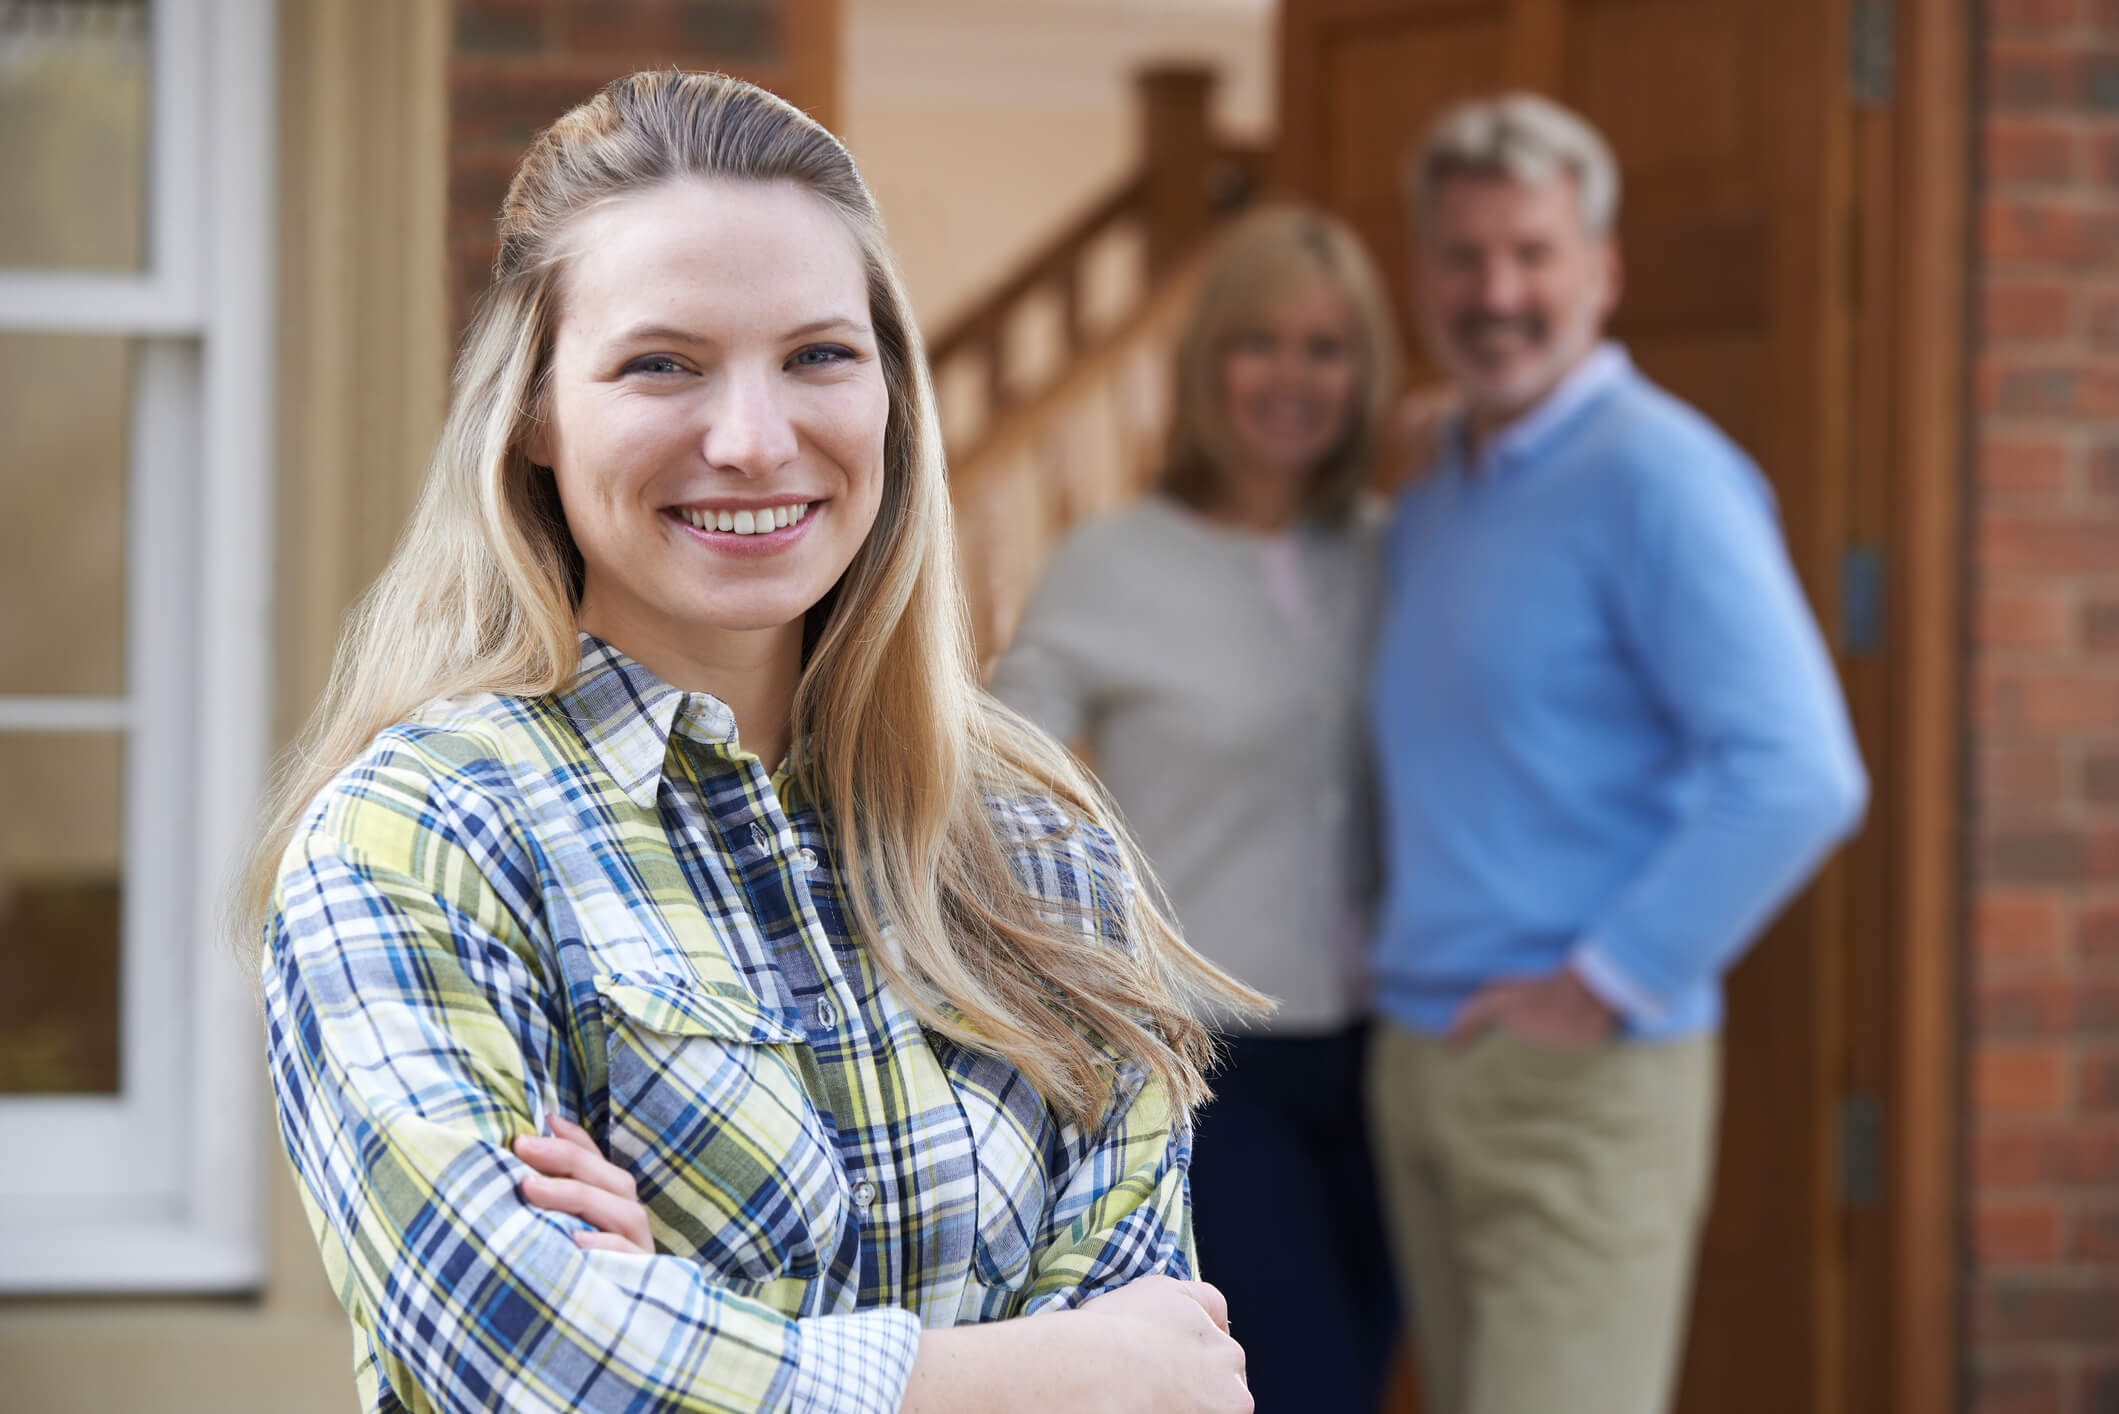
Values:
[(1128, 540), (451, 767), (1064, 858)]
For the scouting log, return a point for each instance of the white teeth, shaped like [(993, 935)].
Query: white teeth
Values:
[(757, 522)]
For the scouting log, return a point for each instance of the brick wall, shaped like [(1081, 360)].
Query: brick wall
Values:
[(517, 64), (2044, 1043)]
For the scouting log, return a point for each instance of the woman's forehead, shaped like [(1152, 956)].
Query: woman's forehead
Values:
[(716, 250)]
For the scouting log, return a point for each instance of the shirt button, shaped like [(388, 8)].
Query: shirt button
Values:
[(864, 1193), (808, 858), (827, 1015), (758, 836)]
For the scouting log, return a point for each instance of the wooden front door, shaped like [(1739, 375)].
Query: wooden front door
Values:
[(1731, 123)]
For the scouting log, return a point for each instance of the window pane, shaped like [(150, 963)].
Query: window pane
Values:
[(60, 827), (65, 405), (73, 107)]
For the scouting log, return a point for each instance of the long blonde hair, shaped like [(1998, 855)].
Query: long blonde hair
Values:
[(891, 728), (1256, 263)]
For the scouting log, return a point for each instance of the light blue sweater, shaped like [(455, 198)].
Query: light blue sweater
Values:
[(1608, 731)]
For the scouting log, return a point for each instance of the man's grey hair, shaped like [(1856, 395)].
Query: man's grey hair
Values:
[(1523, 136)]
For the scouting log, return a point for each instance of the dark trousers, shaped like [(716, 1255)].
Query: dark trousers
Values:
[(1285, 1212)]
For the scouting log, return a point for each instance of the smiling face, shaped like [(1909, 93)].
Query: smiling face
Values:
[(1514, 288), (1289, 381), (714, 417)]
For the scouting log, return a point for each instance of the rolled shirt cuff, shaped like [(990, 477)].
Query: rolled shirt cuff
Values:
[(860, 1361), (1611, 986)]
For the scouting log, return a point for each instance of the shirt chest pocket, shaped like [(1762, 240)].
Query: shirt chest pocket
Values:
[(709, 1113)]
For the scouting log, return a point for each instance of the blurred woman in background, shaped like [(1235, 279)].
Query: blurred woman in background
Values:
[(1206, 648)]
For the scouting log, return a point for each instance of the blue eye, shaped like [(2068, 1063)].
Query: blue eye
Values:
[(655, 363), (821, 355)]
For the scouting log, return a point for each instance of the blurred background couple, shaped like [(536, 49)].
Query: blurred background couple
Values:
[(1484, 727)]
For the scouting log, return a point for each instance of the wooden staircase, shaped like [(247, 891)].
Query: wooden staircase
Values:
[(1054, 387)]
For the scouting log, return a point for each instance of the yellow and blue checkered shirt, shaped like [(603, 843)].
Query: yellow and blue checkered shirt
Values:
[(596, 904)]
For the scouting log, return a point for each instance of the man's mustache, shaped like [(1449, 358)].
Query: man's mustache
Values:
[(1533, 327)]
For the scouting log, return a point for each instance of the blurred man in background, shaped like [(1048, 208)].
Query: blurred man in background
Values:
[(1611, 745)]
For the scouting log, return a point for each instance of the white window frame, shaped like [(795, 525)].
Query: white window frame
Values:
[(160, 1186)]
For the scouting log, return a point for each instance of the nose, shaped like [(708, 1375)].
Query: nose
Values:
[(748, 431), (1500, 285)]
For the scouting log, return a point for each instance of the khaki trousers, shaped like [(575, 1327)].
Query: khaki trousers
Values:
[(1544, 1207)]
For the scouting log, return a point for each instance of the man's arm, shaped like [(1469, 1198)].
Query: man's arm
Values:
[(1711, 609)]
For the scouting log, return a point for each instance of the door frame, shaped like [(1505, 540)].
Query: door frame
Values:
[(1917, 337)]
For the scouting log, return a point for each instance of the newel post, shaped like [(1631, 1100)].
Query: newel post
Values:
[(1178, 153)]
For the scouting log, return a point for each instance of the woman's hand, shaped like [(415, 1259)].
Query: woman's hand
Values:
[(1154, 1346), (574, 1177), (1184, 1330)]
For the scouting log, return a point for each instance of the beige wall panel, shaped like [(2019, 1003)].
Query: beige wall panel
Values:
[(362, 378), (981, 125)]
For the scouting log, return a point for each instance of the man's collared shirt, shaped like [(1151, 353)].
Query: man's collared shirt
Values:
[(1609, 733), (597, 905)]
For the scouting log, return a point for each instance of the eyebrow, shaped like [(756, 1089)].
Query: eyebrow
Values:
[(647, 333)]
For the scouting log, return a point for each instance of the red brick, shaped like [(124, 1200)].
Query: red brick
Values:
[(748, 31), (2023, 1007), (2104, 471), (2032, 77), (646, 29), (2100, 777), (2097, 933), (506, 102), (2019, 924), (2023, 1232), (2019, 1077), (2097, 1006), (2027, 1307), (2102, 320), (2026, 311), (2013, 774), (2024, 465), (2097, 1080), (2024, 385), (2046, 231), (2032, 620), (2085, 1156), (2104, 160), (2094, 1235), (2029, 152), (2023, 1385), (2049, 543), (2100, 625), (2100, 81), (2031, 854), (2011, 17), (501, 26), (2046, 699)]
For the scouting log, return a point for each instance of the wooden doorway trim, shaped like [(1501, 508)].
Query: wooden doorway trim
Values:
[(1923, 201)]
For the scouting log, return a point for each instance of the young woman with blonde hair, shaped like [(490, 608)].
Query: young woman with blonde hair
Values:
[(685, 988), (1208, 647)]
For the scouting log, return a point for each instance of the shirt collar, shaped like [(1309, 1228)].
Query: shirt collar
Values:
[(627, 716), (1518, 442)]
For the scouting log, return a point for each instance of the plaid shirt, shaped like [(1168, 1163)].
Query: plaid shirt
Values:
[(595, 904)]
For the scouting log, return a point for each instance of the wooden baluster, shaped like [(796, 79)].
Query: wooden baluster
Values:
[(1178, 151), (1073, 335), (993, 347)]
